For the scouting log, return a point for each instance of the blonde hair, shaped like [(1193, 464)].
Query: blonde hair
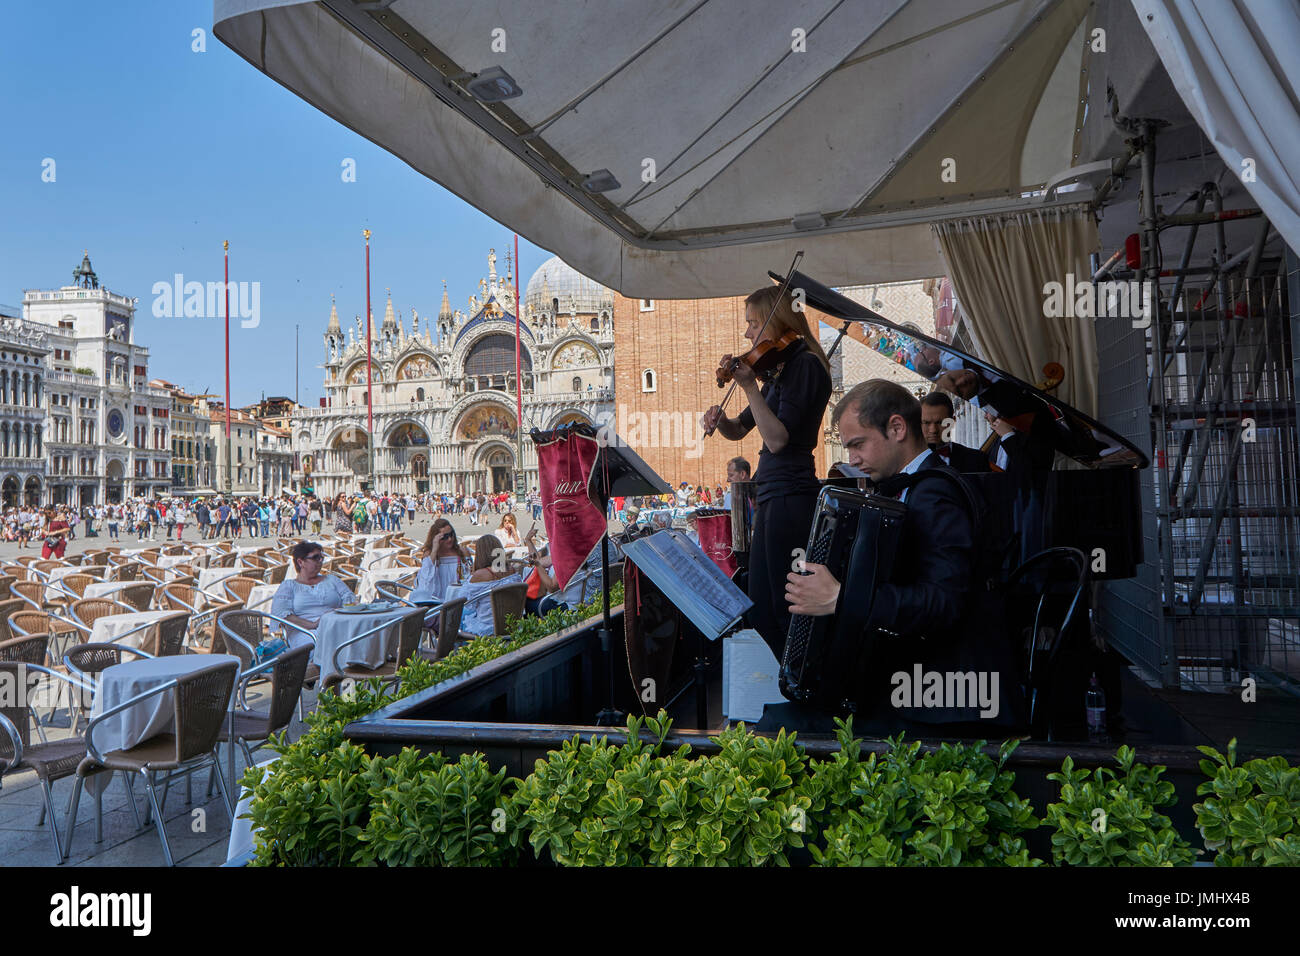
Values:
[(785, 318)]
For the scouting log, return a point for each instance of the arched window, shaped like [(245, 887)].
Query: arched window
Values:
[(419, 394), (36, 391), (648, 381), (4, 384), (27, 387), (577, 383), (38, 441), (4, 439), (492, 358), (595, 323), (27, 441)]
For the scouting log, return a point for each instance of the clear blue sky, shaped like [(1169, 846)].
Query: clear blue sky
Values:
[(161, 153)]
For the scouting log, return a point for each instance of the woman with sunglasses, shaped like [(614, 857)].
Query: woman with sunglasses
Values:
[(303, 598)]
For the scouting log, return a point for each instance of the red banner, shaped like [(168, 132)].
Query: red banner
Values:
[(571, 510), (715, 541)]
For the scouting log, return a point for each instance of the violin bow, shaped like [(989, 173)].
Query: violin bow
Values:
[(785, 284)]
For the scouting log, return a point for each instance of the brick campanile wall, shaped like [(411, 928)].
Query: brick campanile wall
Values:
[(681, 340)]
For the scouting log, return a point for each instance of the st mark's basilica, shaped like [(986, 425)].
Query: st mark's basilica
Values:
[(444, 391)]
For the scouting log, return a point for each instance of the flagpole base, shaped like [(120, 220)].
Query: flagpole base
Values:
[(610, 716)]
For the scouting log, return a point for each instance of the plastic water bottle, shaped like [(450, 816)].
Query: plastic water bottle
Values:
[(1095, 702)]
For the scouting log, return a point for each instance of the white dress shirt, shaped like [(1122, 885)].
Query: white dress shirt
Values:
[(912, 468)]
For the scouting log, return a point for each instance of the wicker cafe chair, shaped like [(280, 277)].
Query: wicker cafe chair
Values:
[(49, 761), (167, 636), (137, 596), (200, 706), (87, 611), (410, 627), (7, 607), (129, 571), (448, 629), (77, 584), (275, 574), (287, 672), (205, 636), (87, 661), (507, 602), (239, 587), (5, 581)]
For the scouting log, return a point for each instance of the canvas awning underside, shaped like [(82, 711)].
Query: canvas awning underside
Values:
[(745, 132)]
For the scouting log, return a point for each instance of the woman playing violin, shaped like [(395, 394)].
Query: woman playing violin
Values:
[(787, 411)]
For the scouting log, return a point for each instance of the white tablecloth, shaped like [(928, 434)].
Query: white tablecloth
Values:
[(107, 588), (335, 629), (209, 579), (106, 628), (58, 574), (259, 598), (366, 586), (123, 681)]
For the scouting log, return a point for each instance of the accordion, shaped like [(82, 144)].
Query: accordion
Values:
[(826, 659)]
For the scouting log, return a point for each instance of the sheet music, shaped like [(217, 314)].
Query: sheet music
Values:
[(690, 580), (749, 677)]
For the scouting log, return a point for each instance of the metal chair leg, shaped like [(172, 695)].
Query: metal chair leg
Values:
[(99, 816), (225, 792), (54, 821), (157, 817), (130, 797), (72, 814)]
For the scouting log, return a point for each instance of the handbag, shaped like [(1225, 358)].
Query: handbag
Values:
[(269, 649)]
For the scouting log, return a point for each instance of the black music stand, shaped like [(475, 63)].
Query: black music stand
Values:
[(617, 471)]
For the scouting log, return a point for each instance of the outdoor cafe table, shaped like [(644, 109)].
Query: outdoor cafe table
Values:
[(156, 715), (107, 588), (335, 628), (58, 574), (378, 575), (209, 578), (259, 597), (110, 626)]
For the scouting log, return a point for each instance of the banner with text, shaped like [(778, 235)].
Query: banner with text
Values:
[(571, 505)]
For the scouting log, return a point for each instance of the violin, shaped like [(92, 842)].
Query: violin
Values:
[(763, 357), (760, 352)]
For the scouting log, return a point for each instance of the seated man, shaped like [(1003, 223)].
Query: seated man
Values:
[(737, 470), (941, 656), (937, 416)]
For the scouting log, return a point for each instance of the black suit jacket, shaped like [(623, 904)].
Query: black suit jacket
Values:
[(938, 618), (964, 459)]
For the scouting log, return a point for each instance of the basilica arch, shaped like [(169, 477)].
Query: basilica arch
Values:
[(417, 366), (406, 433), (575, 351), (569, 417)]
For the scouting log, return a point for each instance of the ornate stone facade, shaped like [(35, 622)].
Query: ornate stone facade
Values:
[(444, 392)]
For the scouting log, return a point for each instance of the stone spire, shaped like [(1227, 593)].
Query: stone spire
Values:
[(390, 321), (333, 328), (444, 312)]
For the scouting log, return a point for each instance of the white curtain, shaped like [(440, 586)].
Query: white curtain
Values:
[(1000, 267), (1236, 64)]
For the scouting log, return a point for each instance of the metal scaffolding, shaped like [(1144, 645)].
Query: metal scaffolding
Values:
[(1218, 597)]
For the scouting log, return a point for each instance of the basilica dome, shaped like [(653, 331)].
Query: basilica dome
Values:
[(557, 286)]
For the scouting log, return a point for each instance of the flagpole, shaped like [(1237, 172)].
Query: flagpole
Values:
[(225, 245), (520, 481), (370, 403)]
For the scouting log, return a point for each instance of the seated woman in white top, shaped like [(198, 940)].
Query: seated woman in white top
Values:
[(303, 598), (444, 564), (477, 618), (508, 532)]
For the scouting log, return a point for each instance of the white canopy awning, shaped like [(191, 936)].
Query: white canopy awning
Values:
[(861, 120)]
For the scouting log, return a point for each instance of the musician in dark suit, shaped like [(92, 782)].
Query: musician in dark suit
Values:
[(929, 618), (937, 417)]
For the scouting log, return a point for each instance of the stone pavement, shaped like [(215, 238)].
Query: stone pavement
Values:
[(197, 839)]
